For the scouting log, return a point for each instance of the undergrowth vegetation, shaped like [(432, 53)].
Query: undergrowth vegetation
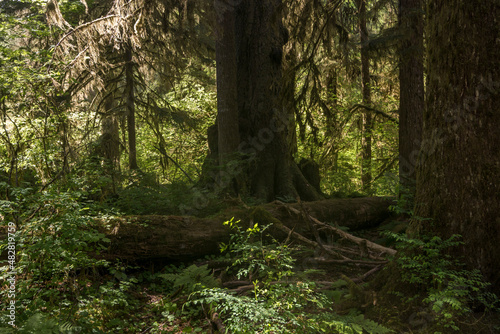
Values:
[(278, 300), (439, 281), (255, 285)]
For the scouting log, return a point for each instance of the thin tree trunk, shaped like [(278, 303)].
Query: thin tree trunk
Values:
[(331, 114), (367, 118), (130, 102), (411, 81), (110, 140)]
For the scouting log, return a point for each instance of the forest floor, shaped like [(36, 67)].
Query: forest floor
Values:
[(315, 267), (364, 300)]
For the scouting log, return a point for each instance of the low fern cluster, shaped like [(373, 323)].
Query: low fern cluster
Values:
[(450, 290)]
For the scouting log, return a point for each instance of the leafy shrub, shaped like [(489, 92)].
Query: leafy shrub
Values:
[(253, 258), (278, 302), (54, 237)]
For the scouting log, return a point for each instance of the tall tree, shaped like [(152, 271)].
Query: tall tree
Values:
[(113, 44), (130, 106), (110, 140), (366, 117), (411, 81), (262, 119), (459, 166), (227, 94)]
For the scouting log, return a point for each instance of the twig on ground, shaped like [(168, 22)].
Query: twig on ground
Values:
[(367, 274), (359, 241), (322, 260)]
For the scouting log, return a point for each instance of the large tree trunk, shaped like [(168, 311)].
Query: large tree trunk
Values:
[(459, 167), (411, 81), (227, 94), (268, 170), (181, 237)]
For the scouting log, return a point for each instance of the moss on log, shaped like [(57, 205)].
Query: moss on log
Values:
[(182, 238)]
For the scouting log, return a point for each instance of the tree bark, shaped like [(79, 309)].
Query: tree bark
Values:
[(267, 169), (367, 118), (227, 94), (181, 238), (108, 151), (263, 121), (411, 81), (459, 166), (130, 103), (110, 137)]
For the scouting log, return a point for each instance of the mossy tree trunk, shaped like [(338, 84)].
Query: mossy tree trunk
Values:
[(459, 167), (266, 168)]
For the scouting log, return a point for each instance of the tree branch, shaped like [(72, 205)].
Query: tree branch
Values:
[(376, 111)]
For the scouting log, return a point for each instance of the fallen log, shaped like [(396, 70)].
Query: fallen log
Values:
[(345, 235), (183, 238), (354, 213), (139, 238), (164, 237)]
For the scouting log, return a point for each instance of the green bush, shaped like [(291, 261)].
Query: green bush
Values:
[(279, 301), (54, 236)]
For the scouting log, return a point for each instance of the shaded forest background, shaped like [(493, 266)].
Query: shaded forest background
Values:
[(141, 97), (120, 119)]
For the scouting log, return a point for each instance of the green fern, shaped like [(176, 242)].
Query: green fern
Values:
[(39, 323), (273, 306), (449, 290), (192, 278), (351, 324)]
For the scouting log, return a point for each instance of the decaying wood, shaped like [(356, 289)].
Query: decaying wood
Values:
[(308, 242), (182, 238), (217, 321), (322, 260), (360, 241), (139, 238), (367, 274), (354, 213), (363, 243)]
